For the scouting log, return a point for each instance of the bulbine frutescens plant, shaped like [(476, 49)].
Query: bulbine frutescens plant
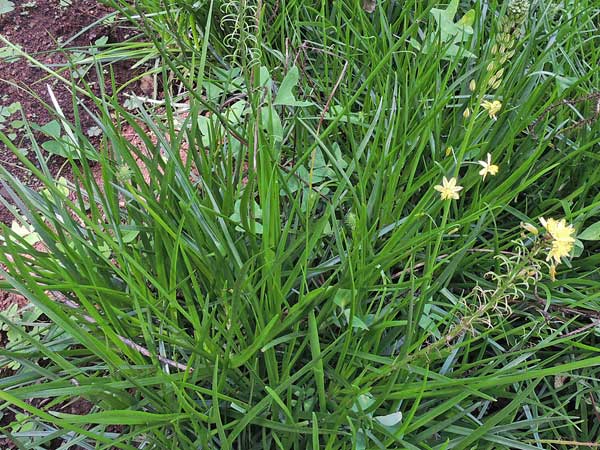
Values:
[(292, 263)]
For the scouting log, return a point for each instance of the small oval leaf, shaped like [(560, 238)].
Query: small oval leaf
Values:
[(390, 420)]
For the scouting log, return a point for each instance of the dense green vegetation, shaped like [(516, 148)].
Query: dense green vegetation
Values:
[(278, 259)]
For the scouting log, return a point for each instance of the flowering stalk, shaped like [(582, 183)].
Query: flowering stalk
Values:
[(506, 40)]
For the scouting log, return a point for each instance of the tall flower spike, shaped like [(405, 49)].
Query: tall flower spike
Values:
[(518, 10), (509, 32)]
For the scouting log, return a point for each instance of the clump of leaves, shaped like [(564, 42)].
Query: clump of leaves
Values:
[(62, 143), (11, 127), (448, 34)]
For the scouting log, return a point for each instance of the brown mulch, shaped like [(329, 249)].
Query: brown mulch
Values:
[(8, 298)]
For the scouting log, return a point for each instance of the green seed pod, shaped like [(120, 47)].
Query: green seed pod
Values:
[(492, 81)]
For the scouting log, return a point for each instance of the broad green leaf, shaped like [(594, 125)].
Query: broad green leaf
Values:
[(591, 233), (129, 236), (236, 112), (271, 122), (356, 321), (342, 297), (577, 249), (51, 129), (14, 107), (361, 441), (264, 77), (449, 32), (468, 19), (390, 420), (565, 83), (63, 188), (25, 231), (445, 20), (285, 96), (363, 402), (209, 128), (56, 147)]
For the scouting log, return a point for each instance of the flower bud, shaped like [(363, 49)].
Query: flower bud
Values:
[(529, 227), (472, 86)]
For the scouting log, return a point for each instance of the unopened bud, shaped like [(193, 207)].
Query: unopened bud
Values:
[(529, 227)]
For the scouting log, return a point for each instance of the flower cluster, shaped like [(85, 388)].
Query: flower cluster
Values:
[(561, 238), (558, 241), (492, 108)]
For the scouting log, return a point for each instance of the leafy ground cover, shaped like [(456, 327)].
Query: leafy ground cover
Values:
[(338, 225)]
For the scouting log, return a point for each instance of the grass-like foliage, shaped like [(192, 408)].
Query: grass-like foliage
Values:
[(324, 234)]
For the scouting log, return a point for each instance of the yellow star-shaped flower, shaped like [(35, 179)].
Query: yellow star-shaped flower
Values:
[(488, 167), (448, 189), (492, 108)]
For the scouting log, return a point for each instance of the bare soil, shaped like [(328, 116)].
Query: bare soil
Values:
[(38, 30)]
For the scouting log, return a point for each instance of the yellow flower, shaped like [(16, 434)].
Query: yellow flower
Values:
[(492, 108), (449, 150), (472, 85), (558, 250), (488, 167), (558, 229), (562, 238), (467, 113), (448, 189)]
